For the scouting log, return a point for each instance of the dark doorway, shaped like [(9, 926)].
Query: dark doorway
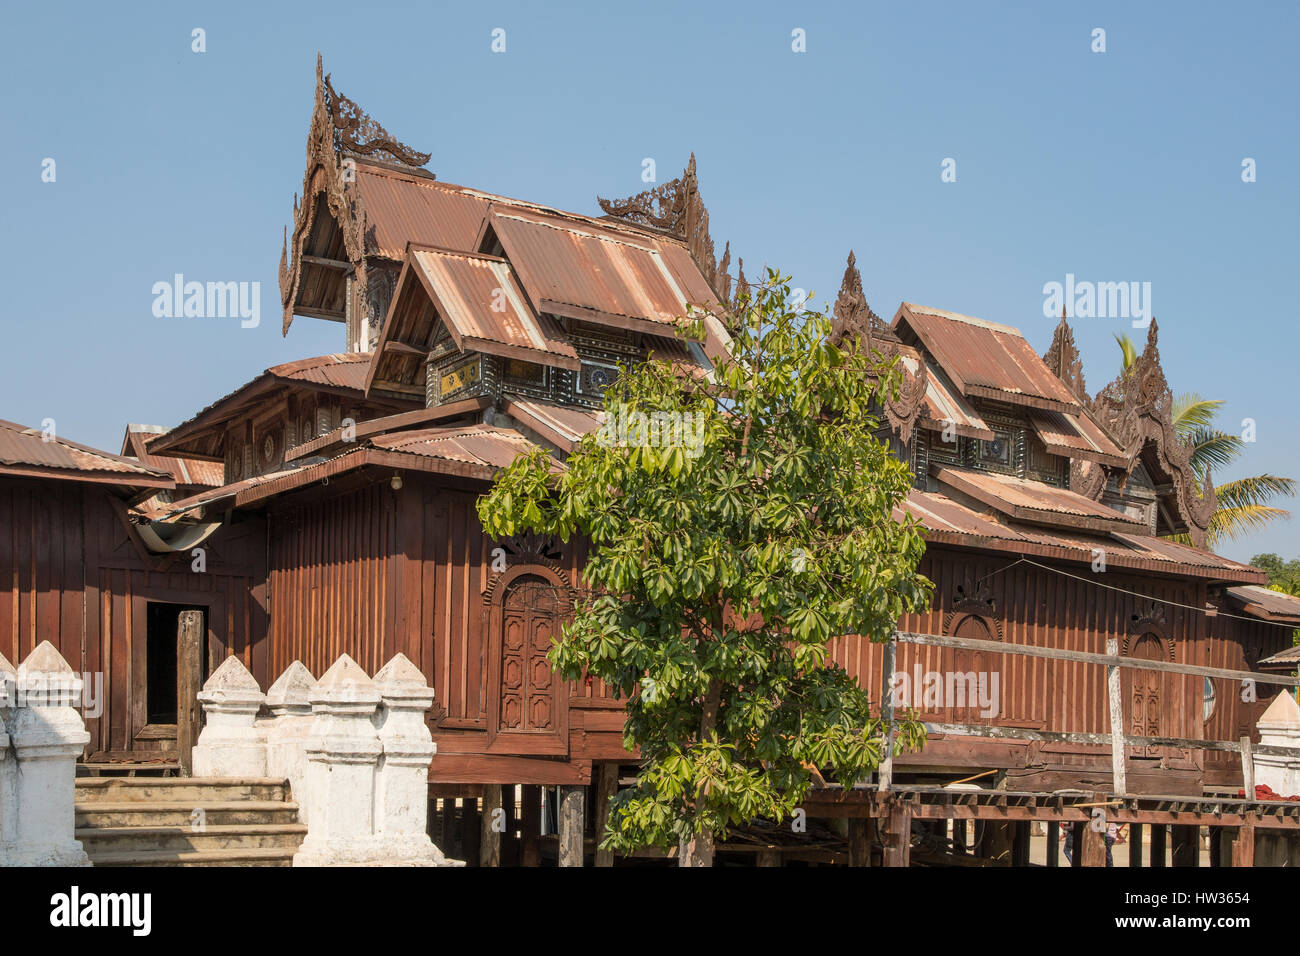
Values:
[(160, 658)]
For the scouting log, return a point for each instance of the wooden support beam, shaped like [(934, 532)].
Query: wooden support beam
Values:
[(338, 265), (1020, 836), (572, 820), (890, 657), (1119, 784), (898, 835), (1187, 846), (1053, 844), (859, 842), (1093, 851), (606, 787), (1243, 848), (491, 826), (1158, 845), (469, 830), (1216, 847), (1247, 768), (959, 838), (530, 826), (768, 856), (1135, 848), (190, 642)]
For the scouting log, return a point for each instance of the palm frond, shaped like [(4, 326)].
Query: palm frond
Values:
[(1250, 492), (1212, 449), (1191, 411), (1228, 524), (1128, 348)]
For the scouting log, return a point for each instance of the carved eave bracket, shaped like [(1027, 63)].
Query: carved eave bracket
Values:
[(339, 128), (676, 208), (857, 325), (1137, 410)]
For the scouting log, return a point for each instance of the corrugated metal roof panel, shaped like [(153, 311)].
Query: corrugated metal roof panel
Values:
[(475, 444), (23, 447), (589, 267), (1075, 436), (987, 359), (561, 424), (338, 370), (1267, 604), (467, 291), (1015, 496), (403, 208), (942, 404)]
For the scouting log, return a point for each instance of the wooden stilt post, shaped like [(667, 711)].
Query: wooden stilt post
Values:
[(959, 838), (1243, 849), (469, 835), (491, 826), (606, 788), (889, 659), (1053, 843), (1020, 843), (1158, 831), (573, 817), (898, 835), (189, 664), (1216, 847), (1119, 785), (509, 837), (1076, 842), (1135, 831), (1247, 769), (530, 826), (859, 842), (1187, 846)]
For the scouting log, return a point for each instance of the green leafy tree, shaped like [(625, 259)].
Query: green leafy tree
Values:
[(739, 524), (1283, 576), (1244, 503)]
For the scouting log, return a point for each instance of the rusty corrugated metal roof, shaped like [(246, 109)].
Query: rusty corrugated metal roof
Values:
[(949, 522), (598, 271), (467, 290), (473, 444), (985, 359), (563, 425), (1267, 604), (337, 370), (402, 208), (185, 471), (25, 451), (1033, 500), (1076, 436)]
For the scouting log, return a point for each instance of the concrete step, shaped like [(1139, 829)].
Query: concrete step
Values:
[(180, 789), (271, 856), (101, 841), (138, 813)]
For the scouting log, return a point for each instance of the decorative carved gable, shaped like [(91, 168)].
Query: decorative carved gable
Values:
[(1062, 358), (1136, 409), (856, 322)]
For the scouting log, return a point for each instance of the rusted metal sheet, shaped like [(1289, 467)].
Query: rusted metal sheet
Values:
[(338, 370), (562, 424), (24, 450), (185, 471), (566, 263), (1034, 500), (486, 311), (950, 522), (476, 444), (986, 359), (404, 207), (1266, 604), (1076, 436)]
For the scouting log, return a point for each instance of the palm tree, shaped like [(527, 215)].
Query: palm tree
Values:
[(1244, 502)]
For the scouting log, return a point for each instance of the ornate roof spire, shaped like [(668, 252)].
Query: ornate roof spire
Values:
[(1062, 357)]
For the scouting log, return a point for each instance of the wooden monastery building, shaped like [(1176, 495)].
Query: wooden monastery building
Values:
[(327, 506)]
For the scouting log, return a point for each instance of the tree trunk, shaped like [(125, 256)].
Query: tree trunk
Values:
[(696, 851)]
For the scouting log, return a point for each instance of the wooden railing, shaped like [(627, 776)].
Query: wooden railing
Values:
[(1117, 739)]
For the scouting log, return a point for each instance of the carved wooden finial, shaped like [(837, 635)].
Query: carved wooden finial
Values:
[(1062, 357)]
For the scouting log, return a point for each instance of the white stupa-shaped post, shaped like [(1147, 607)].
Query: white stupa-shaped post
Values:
[(343, 752), (402, 798), (232, 743), (47, 735), (1279, 726), (288, 728)]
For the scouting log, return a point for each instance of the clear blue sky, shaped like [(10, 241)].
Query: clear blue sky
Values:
[(1118, 166)]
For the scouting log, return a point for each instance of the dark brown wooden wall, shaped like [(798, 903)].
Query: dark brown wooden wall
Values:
[(75, 575)]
